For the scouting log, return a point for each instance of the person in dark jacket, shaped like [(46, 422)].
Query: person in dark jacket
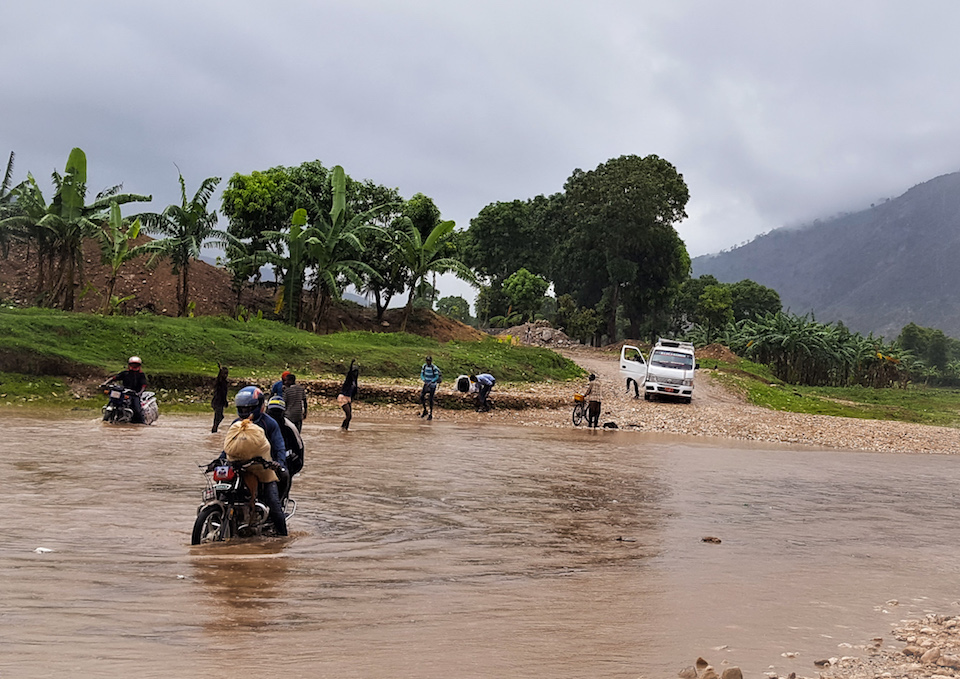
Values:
[(276, 408), (250, 402), (133, 378), (219, 401), (295, 397), (348, 392)]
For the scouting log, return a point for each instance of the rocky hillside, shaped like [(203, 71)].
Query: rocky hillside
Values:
[(876, 270)]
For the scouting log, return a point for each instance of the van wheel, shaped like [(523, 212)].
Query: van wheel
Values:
[(688, 400), (646, 396)]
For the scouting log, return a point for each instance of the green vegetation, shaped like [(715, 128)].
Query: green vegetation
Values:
[(185, 351), (917, 404)]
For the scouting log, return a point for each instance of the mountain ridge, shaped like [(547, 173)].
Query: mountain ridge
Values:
[(875, 270)]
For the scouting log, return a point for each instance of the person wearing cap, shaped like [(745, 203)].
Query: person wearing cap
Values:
[(430, 374), (592, 396), (296, 398), (276, 408), (277, 388), (133, 378)]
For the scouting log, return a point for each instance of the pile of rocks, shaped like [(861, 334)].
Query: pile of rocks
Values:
[(540, 334), (932, 651), (704, 670)]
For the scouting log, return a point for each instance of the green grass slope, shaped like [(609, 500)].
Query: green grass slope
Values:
[(185, 351)]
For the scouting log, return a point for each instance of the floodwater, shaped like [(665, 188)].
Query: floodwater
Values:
[(463, 550)]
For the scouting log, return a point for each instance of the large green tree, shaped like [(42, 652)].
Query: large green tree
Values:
[(185, 229), (526, 292), (509, 236), (617, 237)]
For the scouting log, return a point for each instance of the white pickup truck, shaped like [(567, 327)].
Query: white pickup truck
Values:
[(669, 372)]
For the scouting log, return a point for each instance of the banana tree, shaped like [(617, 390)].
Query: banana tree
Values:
[(186, 229), (116, 249), (421, 257), (67, 221), (296, 242), (334, 244)]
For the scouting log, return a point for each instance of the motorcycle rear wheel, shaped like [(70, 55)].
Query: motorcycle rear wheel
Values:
[(207, 527)]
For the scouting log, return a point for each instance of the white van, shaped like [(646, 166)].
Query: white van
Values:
[(633, 368), (670, 372)]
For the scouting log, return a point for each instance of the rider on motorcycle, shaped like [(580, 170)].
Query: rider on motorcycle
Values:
[(276, 408), (249, 402), (133, 378)]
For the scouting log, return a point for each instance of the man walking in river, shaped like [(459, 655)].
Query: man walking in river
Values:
[(430, 374)]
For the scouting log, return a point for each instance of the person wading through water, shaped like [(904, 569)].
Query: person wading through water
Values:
[(348, 392), (219, 401)]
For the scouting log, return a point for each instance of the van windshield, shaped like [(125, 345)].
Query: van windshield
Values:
[(672, 359)]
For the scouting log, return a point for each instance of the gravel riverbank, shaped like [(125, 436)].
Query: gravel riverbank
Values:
[(714, 412)]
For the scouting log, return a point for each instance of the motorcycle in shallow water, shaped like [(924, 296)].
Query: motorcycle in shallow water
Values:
[(119, 407), (227, 512)]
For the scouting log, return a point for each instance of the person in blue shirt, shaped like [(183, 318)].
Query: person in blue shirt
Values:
[(277, 388), (485, 382), (430, 374)]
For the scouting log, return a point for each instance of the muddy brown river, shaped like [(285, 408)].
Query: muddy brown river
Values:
[(450, 550)]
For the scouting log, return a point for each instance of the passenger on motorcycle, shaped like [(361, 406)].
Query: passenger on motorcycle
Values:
[(276, 408), (133, 378), (249, 402)]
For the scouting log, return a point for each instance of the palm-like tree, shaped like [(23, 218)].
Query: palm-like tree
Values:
[(421, 257), (184, 230), (116, 249), (61, 227), (294, 264), (7, 208), (333, 244)]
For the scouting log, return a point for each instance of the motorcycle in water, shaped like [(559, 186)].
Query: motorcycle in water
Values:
[(119, 408), (226, 511)]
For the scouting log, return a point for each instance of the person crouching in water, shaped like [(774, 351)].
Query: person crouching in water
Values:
[(484, 382), (592, 396), (249, 402), (348, 392)]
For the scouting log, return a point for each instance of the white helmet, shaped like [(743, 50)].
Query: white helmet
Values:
[(134, 359)]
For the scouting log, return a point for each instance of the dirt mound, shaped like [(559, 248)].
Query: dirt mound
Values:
[(150, 289), (540, 334), (719, 352), (155, 290)]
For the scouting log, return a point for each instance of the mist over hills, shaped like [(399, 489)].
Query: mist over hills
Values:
[(876, 270)]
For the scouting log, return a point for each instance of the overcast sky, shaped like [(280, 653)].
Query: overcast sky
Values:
[(775, 113)]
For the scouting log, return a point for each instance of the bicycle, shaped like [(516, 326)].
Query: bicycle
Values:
[(579, 409)]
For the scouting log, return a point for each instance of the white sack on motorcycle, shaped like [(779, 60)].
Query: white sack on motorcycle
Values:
[(245, 441)]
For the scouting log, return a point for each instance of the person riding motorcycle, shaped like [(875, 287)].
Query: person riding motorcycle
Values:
[(249, 402), (276, 408), (133, 378)]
